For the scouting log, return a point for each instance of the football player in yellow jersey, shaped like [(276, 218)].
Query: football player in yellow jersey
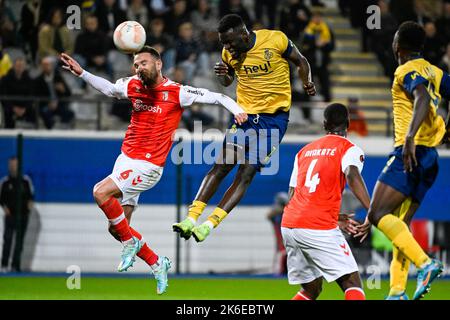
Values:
[(413, 165), (259, 62)]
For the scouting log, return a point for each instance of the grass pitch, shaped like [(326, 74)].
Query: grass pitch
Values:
[(183, 288)]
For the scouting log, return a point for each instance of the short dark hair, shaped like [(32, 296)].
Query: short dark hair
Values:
[(153, 52), (230, 21), (336, 117), (411, 36)]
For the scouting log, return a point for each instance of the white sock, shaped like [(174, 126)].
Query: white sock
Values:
[(156, 264), (192, 220), (209, 224), (129, 241)]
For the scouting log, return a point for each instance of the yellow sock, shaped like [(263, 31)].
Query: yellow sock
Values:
[(400, 264), (398, 272), (397, 231), (196, 209), (217, 216)]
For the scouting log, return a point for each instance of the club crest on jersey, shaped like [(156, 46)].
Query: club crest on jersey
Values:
[(267, 54), (165, 95)]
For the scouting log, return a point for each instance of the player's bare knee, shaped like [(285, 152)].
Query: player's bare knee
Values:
[(247, 175), (99, 193), (222, 170)]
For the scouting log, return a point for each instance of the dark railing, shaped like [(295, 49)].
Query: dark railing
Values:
[(223, 119)]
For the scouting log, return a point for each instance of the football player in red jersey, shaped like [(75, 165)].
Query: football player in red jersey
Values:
[(158, 104), (315, 246)]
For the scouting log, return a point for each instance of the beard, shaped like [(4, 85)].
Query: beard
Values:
[(148, 77)]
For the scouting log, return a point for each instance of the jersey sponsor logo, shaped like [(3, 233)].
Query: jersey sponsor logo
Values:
[(140, 106), (197, 92), (266, 67)]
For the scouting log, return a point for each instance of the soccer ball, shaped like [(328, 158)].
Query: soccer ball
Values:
[(129, 36)]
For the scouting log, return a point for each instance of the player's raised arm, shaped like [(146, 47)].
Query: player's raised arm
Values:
[(224, 73), (303, 69), (190, 95), (104, 86)]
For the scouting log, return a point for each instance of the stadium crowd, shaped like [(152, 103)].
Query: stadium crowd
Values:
[(34, 32)]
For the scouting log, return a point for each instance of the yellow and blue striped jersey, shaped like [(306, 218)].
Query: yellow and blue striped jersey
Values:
[(262, 73), (406, 78)]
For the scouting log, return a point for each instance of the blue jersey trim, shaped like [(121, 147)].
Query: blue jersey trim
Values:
[(412, 80), (444, 89)]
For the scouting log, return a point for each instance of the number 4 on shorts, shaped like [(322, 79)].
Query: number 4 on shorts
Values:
[(311, 182)]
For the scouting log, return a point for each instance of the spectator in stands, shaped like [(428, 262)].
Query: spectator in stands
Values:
[(445, 103), (48, 5), (18, 113), (5, 61), (443, 23), (8, 25), (421, 15), (274, 216), (433, 48), (236, 7), (344, 7), (109, 16), (205, 19), (159, 8), (190, 54), (50, 84), (270, 8), (358, 122), (16, 219), (381, 39), (190, 115), (92, 46), (358, 19), (294, 18), (318, 44), (176, 16), (54, 37), (29, 26), (162, 42), (445, 61), (137, 11), (403, 10), (257, 25)]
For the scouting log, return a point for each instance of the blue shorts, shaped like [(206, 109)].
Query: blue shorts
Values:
[(413, 184), (259, 137)]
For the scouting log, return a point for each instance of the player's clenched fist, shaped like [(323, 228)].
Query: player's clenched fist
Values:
[(310, 88), (221, 69)]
